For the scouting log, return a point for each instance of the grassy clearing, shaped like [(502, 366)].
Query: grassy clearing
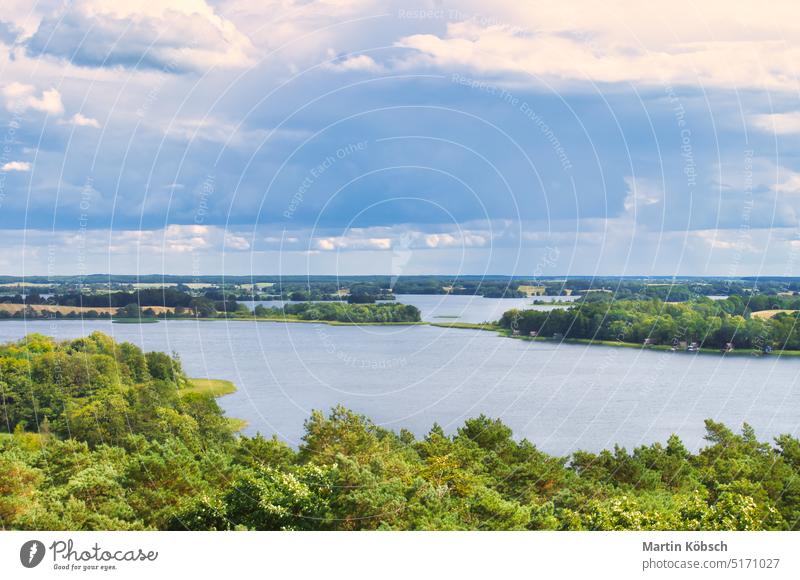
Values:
[(213, 387), (770, 313), (216, 388)]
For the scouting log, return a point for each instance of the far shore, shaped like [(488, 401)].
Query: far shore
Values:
[(612, 343), (484, 326)]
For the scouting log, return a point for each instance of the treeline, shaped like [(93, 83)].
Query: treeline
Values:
[(744, 305), (202, 307), (707, 322), (343, 312), (29, 313), (371, 288), (144, 297), (105, 437)]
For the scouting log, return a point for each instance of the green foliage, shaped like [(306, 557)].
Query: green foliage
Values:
[(343, 312), (709, 323), (106, 437)]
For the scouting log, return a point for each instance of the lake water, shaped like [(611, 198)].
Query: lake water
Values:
[(449, 308), (562, 397)]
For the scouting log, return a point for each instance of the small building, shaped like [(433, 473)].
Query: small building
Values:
[(648, 342)]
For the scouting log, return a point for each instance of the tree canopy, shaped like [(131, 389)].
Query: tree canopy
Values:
[(104, 436), (709, 323)]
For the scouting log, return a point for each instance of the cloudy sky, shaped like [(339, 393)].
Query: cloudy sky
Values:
[(361, 137)]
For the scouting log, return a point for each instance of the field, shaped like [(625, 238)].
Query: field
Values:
[(14, 308), (770, 313), (258, 285), (532, 290), (25, 285)]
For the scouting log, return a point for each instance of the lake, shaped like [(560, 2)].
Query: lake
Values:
[(454, 308), (562, 397)]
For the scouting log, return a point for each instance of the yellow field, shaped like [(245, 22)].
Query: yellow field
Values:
[(769, 313), (532, 290), (257, 285), (13, 308)]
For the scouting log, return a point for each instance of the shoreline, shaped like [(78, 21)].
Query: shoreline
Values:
[(482, 326), (216, 388), (200, 319), (613, 343)]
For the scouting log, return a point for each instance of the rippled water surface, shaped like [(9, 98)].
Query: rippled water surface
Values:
[(560, 396)]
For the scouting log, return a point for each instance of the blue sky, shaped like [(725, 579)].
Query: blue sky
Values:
[(359, 137)]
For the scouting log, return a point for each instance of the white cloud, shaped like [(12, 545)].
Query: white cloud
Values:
[(16, 166), (623, 41), (186, 238), (352, 243), (791, 185), (174, 36), (238, 243), (361, 62), (461, 239), (218, 131), (641, 192), (175, 238), (779, 123), (211, 129), (400, 238), (80, 121), (20, 97), (727, 240)]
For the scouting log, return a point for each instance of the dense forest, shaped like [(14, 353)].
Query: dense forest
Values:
[(342, 312), (710, 323), (103, 436)]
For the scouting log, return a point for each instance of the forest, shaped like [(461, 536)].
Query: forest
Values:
[(709, 323), (343, 312), (102, 436)]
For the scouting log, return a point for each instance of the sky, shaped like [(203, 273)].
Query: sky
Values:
[(378, 137)]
